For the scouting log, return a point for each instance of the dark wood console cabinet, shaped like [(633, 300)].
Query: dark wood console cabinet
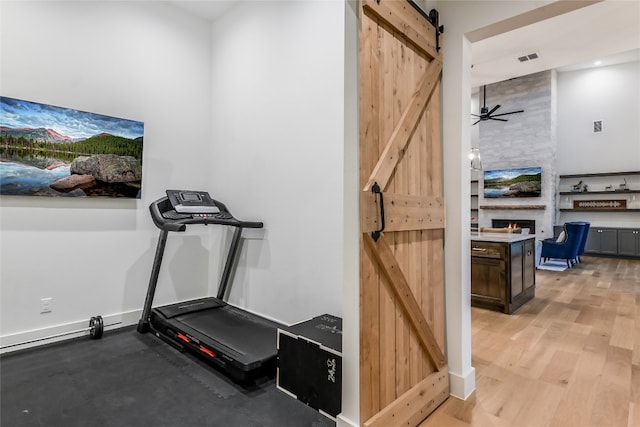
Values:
[(502, 271)]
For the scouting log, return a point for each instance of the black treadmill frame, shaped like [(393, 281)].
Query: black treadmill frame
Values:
[(175, 330)]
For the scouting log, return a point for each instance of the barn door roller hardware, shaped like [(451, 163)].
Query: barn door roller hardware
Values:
[(434, 18)]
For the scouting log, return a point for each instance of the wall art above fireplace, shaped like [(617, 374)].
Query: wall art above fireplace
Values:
[(513, 182)]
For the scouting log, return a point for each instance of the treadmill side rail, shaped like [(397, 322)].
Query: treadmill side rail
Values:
[(143, 324)]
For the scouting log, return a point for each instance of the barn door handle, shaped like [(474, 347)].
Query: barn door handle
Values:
[(376, 234)]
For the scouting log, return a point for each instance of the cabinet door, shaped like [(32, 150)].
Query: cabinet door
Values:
[(529, 263), (517, 250), (609, 241), (602, 241), (593, 241), (628, 242), (488, 279)]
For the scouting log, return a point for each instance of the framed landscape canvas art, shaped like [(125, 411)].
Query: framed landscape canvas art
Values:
[(514, 182), (54, 151)]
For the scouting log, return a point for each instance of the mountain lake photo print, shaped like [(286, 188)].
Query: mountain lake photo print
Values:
[(54, 151), (515, 182)]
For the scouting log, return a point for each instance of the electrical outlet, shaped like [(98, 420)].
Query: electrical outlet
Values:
[(45, 305)]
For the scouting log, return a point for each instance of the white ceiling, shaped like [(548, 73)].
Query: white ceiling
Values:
[(608, 30), (207, 9)]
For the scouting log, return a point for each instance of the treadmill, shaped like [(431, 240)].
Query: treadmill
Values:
[(240, 343)]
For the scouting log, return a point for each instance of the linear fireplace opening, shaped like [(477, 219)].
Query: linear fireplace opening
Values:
[(515, 223)]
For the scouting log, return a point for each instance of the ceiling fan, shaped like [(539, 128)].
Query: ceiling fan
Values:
[(486, 114)]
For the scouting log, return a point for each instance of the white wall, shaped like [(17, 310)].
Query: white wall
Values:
[(277, 151), (350, 415), (250, 108), (243, 110), (459, 18), (283, 151), (138, 60), (610, 94)]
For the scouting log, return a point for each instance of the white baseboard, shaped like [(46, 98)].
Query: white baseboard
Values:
[(66, 331), (462, 386), (342, 421)]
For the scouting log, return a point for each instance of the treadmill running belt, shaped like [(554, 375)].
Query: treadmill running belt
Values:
[(252, 337), (173, 310)]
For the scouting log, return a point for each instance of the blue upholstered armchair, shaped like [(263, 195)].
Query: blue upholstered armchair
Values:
[(569, 248), (585, 235)]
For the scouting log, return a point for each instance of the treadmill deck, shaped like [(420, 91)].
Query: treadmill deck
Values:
[(235, 336)]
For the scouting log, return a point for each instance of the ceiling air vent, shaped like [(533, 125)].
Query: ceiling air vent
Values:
[(528, 57)]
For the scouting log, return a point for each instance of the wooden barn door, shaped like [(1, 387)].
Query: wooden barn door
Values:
[(403, 371)]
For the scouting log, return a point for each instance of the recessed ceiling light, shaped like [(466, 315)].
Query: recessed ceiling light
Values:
[(597, 62)]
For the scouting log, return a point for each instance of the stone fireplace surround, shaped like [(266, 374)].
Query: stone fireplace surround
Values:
[(526, 140)]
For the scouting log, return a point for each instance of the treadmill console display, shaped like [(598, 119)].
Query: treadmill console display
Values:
[(192, 202)]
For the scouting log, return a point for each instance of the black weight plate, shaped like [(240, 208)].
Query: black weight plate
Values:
[(92, 327), (99, 327), (96, 327)]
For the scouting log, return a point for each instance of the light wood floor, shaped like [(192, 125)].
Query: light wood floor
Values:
[(570, 357)]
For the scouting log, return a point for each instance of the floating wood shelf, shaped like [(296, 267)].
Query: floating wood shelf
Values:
[(513, 207), (586, 193), (588, 175), (598, 210)]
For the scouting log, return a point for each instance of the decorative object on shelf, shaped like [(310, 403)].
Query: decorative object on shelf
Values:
[(623, 186), (608, 188), (476, 162), (599, 204), (577, 188)]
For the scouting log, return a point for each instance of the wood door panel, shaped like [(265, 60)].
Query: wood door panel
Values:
[(404, 374), (404, 295), (412, 408), (405, 212), (407, 122), (412, 26)]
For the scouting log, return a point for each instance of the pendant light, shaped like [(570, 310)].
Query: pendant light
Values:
[(476, 162)]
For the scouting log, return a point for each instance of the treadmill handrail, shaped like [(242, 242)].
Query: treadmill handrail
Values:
[(163, 205)]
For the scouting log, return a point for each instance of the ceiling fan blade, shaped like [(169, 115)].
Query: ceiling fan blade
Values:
[(512, 112), (493, 109), (501, 120), (477, 115), (477, 122)]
